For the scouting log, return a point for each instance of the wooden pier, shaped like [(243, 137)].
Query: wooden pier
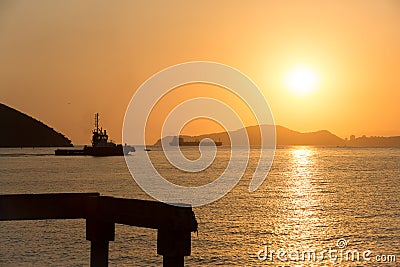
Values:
[(174, 224)]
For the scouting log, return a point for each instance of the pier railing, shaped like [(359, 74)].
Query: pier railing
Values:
[(174, 224)]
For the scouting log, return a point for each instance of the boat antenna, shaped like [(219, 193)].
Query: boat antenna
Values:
[(96, 122)]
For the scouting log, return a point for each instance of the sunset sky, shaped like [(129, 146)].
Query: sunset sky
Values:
[(331, 65)]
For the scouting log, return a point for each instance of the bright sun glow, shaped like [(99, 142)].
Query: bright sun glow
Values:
[(301, 80)]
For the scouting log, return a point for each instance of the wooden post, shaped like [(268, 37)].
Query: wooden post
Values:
[(173, 261), (99, 253), (173, 245), (99, 232)]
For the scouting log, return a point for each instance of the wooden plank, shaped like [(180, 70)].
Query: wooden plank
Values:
[(144, 213), (134, 212), (44, 206)]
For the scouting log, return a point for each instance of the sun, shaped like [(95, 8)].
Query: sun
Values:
[(301, 80)]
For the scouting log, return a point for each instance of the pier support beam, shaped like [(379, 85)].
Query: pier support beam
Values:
[(173, 245), (99, 233), (173, 261), (99, 253), (174, 224)]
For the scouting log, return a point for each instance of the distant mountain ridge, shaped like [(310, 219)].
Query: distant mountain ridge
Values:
[(21, 130), (374, 141), (287, 137), (284, 136)]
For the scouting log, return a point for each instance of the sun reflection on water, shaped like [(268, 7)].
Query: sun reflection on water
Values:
[(301, 157), (301, 209)]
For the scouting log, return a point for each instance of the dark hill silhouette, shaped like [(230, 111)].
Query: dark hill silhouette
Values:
[(21, 130), (284, 136)]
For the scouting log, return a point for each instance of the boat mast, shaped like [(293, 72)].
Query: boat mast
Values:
[(96, 122)]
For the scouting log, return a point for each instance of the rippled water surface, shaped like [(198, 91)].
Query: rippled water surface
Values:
[(312, 198)]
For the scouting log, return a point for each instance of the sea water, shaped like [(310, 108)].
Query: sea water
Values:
[(318, 206)]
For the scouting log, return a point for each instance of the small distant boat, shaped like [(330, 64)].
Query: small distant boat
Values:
[(100, 145), (179, 141)]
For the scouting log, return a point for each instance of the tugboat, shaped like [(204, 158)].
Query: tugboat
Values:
[(100, 145), (179, 141)]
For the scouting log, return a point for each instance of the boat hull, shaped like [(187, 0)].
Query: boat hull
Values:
[(195, 144), (117, 150), (179, 141)]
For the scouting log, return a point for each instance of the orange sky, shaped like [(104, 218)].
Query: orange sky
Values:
[(62, 61)]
